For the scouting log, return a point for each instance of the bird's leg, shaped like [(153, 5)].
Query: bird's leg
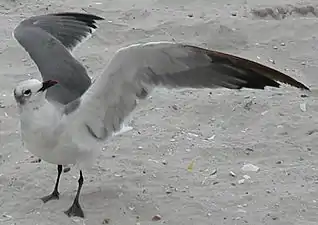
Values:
[(55, 194), (75, 209)]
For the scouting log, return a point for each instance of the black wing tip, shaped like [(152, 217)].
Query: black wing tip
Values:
[(270, 81), (86, 21), (79, 15), (89, 19), (267, 76), (301, 86), (277, 76)]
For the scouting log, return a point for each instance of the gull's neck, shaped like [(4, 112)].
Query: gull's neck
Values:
[(40, 127), (37, 119), (33, 105), (35, 110)]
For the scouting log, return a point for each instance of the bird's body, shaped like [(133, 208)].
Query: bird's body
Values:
[(71, 129), (40, 133), (48, 134)]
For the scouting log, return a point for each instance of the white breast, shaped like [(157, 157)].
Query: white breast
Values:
[(39, 131)]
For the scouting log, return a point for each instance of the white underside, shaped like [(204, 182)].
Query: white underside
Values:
[(58, 145)]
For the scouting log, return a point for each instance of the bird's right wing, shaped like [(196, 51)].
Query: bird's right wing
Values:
[(135, 71), (48, 39)]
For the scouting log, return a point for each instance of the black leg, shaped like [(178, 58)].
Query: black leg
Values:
[(75, 209), (55, 194)]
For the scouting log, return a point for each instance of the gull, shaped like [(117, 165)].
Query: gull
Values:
[(65, 119), (45, 38)]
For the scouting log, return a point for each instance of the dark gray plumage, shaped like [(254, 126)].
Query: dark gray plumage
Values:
[(48, 39)]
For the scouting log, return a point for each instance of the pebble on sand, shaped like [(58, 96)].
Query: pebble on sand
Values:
[(246, 177), (106, 221), (156, 218), (241, 181), (303, 106), (175, 107), (232, 174), (250, 168)]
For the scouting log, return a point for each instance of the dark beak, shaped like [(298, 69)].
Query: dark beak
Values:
[(47, 84)]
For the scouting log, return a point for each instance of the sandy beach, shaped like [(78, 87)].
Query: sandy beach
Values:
[(183, 158)]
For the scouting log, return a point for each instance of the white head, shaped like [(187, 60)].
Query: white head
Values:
[(32, 92)]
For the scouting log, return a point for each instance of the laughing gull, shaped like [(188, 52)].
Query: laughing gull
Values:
[(47, 37), (65, 120)]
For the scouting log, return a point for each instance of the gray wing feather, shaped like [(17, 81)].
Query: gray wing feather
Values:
[(48, 39), (135, 71)]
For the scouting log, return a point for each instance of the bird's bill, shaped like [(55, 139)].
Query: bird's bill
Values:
[(47, 84)]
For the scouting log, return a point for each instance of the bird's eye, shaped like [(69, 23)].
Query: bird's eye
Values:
[(27, 92)]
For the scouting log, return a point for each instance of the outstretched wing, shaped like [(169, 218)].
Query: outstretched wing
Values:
[(135, 71), (48, 39)]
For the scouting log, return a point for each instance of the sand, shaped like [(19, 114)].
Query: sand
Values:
[(144, 172)]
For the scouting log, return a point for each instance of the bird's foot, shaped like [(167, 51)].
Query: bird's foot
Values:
[(75, 210), (54, 196)]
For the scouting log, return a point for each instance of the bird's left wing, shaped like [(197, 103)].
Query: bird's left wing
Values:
[(134, 71)]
